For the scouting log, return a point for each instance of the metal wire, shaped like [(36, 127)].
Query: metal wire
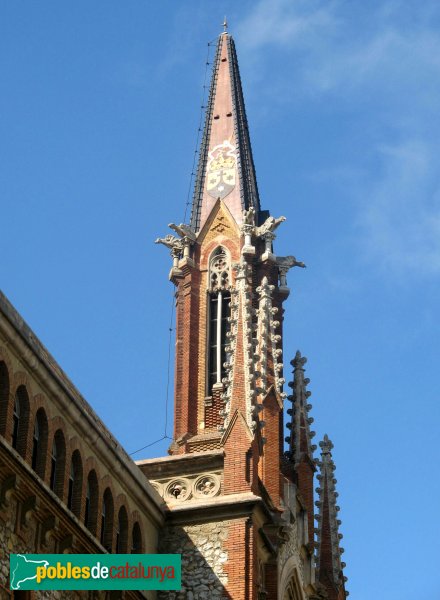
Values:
[(188, 202), (170, 336)]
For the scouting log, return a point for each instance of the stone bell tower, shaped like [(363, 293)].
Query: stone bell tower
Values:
[(228, 479), (230, 287)]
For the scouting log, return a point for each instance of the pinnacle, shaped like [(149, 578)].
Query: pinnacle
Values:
[(328, 548), (300, 435)]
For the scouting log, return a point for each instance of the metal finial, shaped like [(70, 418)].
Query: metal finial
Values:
[(225, 25)]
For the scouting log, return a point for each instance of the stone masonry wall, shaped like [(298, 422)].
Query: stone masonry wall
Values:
[(203, 560)]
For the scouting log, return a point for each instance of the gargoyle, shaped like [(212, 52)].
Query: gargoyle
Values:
[(289, 261), (183, 230), (270, 224), (170, 241)]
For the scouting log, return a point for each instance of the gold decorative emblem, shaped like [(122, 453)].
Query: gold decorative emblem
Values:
[(221, 224), (220, 171)]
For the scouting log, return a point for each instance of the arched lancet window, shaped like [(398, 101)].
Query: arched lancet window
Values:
[(87, 506), (70, 486), (16, 422), (107, 521), (75, 484), (53, 465), (4, 397), (122, 531), (293, 589), (136, 539), (219, 312), (91, 507), (20, 420), (39, 443), (262, 593), (57, 463), (103, 521), (35, 444)]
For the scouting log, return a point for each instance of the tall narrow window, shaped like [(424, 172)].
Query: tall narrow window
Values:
[(53, 465), (35, 445), (107, 521), (219, 313), (87, 507), (122, 531), (4, 397), (20, 421), (136, 542), (16, 422), (91, 508), (71, 486), (118, 537), (58, 464), (74, 490), (39, 443), (103, 520)]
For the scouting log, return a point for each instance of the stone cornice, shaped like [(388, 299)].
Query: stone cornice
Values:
[(181, 463), (229, 506)]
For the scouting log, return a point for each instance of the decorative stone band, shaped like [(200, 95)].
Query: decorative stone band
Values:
[(241, 309), (229, 364), (244, 274), (267, 336)]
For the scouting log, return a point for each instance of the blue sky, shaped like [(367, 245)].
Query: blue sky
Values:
[(98, 121)]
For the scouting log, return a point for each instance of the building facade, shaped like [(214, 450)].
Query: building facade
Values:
[(235, 497)]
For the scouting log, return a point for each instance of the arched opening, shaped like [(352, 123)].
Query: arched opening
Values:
[(107, 521), (39, 443), (136, 539), (91, 506), (20, 420), (16, 422), (122, 531), (74, 490), (57, 463), (35, 444), (219, 311), (293, 587), (4, 397)]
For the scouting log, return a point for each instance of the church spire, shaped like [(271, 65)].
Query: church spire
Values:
[(329, 566), (226, 167)]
